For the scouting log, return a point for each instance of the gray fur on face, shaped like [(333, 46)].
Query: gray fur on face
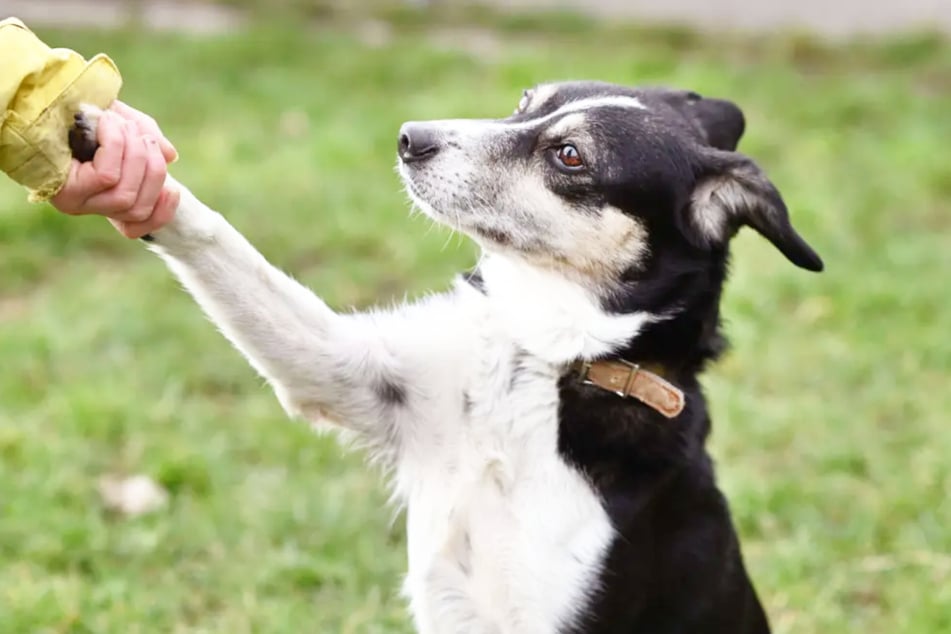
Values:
[(504, 181), (499, 181)]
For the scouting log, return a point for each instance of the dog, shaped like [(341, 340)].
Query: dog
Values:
[(543, 420)]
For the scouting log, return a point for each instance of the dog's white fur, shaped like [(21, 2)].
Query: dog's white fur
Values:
[(504, 536)]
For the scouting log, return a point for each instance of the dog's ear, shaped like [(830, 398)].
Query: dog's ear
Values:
[(722, 121), (732, 191)]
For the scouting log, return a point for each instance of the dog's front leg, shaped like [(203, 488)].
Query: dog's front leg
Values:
[(322, 365)]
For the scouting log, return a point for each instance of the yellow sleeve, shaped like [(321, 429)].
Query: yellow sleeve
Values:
[(40, 92)]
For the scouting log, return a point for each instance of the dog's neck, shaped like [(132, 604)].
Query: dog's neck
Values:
[(553, 318), (688, 291), (561, 321)]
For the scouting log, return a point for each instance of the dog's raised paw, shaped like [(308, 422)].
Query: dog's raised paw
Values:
[(83, 133)]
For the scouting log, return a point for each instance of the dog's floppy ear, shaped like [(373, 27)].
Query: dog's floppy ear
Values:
[(732, 191)]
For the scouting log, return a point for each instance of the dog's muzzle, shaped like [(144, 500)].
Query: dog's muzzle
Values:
[(417, 142)]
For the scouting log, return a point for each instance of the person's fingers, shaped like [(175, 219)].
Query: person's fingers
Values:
[(88, 179), (164, 211), (127, 173), (67, 199), (127, 229), (161, 215), (152, 182), (169, 153), (166, 207), (107, 163), (148, 126), (120, 199)]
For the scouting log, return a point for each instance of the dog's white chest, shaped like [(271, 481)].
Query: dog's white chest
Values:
[(504, 537)]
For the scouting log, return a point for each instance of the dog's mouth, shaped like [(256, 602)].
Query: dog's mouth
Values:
[(434, 194), (420, 193)]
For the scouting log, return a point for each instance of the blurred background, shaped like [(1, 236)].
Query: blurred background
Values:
[(832, 432)]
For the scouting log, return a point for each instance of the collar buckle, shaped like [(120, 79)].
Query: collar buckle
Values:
[(619, 387), (626, 379), (584, 367), (633, 369)]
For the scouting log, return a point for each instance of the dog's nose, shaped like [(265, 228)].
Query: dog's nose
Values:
[(417, 142)]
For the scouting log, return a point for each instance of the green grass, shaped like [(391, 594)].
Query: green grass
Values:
[(831, 417)]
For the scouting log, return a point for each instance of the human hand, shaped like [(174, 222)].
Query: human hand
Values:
[(125, 181)]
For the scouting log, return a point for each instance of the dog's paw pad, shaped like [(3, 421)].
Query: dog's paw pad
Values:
[(83, 133)]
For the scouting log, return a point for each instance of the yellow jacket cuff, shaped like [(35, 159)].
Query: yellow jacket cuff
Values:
[(41, 89)]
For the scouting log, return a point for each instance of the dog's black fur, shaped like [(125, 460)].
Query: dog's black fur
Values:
[(676, 567)]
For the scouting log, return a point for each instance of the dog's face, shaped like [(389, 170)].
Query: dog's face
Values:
[(597, 179)]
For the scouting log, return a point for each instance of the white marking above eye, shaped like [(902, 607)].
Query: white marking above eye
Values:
[(567, 124), (478, 126), (582, 105)]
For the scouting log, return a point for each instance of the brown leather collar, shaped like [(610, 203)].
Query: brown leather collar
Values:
[(630, 379)]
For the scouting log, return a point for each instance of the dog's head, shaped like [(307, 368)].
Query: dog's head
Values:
[(598, 180)]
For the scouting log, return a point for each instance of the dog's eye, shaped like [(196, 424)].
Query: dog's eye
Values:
[(569, 156)]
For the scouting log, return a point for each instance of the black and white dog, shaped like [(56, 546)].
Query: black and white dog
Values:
[(543, 420)]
